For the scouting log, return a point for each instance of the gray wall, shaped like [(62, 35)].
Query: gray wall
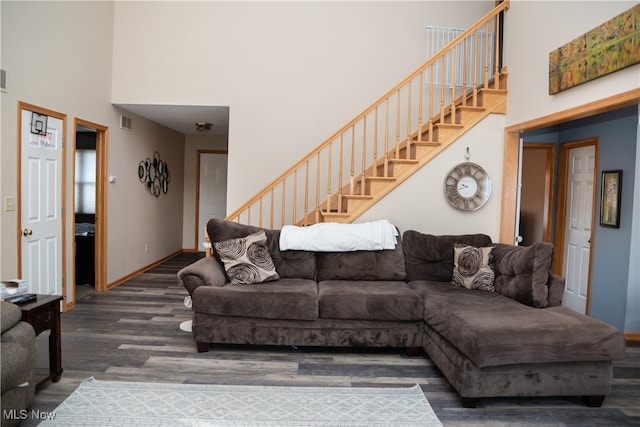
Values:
[(610, 280)]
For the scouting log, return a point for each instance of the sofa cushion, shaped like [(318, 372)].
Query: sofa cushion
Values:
[(362, 265), (493, 330), (288, 298), (522, 272), (368, 300), (429, 257), (294, 264), (247, 259), (471, 267)]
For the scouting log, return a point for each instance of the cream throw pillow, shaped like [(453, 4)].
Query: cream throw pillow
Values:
[(247, 260), (471, 268)]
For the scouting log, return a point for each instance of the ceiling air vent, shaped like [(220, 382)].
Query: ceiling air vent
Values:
[(125, 122)]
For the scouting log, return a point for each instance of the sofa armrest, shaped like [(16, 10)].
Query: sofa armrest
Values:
[(204, 272), (556, 289)]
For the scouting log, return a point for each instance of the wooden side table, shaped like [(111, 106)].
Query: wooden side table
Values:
[(43, 314)]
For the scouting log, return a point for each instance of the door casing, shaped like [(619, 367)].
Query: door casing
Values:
[(63, 198), (561, 211), (102, 133)]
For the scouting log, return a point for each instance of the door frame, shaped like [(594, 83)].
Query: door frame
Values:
[(511, 144), (102, 133), (549, 177), (561, 211), (197, 219), (63, 194)]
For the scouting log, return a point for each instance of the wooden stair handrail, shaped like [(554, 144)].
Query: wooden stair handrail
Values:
[(379, 103)]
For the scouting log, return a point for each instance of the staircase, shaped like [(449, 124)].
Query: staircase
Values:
[(393, 138)]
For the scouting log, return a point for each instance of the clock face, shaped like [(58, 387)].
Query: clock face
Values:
[(467, 186)]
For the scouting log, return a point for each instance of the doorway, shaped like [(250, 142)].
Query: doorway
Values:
[(211, 190), (41, 200), (537, 193), (89, 203)]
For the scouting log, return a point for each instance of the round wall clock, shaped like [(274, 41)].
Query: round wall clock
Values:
[(467, 186)]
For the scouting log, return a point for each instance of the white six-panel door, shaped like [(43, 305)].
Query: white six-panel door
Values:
[(578, 227), (41, 205), (212, 202)]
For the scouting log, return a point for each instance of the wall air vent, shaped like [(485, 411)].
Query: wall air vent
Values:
[(3, 80), (125, 122)]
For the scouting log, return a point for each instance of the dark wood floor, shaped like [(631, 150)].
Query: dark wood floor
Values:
[(131, 333)]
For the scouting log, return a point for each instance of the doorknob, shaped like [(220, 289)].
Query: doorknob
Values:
[(27, 232)]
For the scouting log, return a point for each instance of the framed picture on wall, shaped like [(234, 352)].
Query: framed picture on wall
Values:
[(610, 198)]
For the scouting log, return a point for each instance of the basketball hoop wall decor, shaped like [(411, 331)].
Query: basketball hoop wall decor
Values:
[(39, 123), (155, 175)]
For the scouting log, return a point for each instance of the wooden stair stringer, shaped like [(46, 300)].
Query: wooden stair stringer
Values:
[(494, 102)]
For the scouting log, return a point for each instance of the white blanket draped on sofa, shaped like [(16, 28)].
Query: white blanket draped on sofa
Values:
[(336, 237)]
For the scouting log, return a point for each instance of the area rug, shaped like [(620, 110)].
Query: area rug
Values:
[(108, 403)]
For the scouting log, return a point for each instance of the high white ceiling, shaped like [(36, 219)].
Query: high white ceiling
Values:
[(183, 118)]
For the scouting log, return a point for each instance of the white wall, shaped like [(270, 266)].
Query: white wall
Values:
[(48, 65), (535, 28), (419, 203), (58, 55), (292, 73)]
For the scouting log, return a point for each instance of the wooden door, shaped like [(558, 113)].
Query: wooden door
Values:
[(41, 201), (578, 225)]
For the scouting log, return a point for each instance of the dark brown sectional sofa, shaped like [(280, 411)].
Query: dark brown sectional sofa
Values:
[(516, 341)]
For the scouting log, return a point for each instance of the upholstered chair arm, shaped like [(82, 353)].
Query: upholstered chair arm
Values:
[(556, 289), (10, 315), (204, 272), (18, 357)]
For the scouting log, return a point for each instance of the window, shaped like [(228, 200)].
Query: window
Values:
[(85, 185)]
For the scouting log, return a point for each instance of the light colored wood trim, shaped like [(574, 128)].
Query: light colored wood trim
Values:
[(632, 336), (509, 188), (63, 193), (561, 212), (510, 161), (613, 102), (141, 270), (561, 208), (102, 138), (561, 205)]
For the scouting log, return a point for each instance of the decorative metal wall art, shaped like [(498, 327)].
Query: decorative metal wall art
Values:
[(155, 175)]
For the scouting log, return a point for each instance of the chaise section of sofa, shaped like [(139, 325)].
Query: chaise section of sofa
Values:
[(518, 340), (356, 298)]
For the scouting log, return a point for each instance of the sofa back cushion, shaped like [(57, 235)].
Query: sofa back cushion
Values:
[(429, 257), (362, 265), (292, 264), (522, 272)]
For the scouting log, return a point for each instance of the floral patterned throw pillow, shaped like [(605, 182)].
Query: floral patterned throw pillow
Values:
[(471, 268), (247, 259)]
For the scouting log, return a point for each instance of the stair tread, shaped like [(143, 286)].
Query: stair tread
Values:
[(470, 108), (407, 161), (381, 178), (358, 196), (451, 125)]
